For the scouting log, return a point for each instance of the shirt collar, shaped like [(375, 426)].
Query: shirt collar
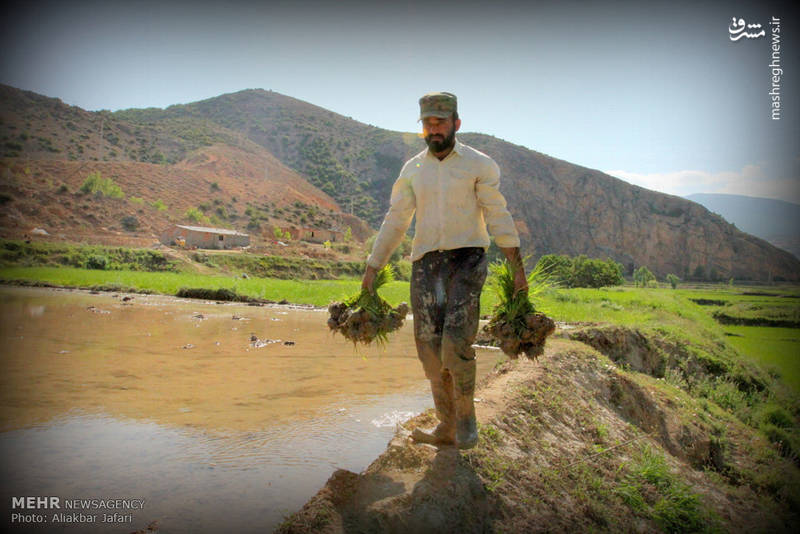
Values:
[(458, 148)]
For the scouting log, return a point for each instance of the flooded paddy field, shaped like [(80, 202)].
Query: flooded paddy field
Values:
[(219, 417)]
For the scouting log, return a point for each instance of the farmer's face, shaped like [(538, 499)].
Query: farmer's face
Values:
[(440, 134)]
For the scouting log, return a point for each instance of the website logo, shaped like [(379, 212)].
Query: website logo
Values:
[(737, 28)]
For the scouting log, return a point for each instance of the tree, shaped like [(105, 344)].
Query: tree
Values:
[(673, 280), (580, 271), (348, 235), (643, 276), (195, 215)]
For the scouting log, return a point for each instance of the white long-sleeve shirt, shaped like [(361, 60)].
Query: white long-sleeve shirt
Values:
[(454, 199)]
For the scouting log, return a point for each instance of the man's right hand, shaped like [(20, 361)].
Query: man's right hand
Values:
[(369, 278)]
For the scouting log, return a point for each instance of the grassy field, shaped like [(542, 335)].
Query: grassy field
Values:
[(675, 313), (224, 263)]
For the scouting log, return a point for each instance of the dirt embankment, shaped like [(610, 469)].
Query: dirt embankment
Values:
[(572, 442)]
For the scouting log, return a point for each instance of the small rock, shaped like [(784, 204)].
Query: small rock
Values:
[(188, 346), (288, 342)]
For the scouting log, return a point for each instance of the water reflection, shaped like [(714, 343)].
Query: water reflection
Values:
[(169, 401)]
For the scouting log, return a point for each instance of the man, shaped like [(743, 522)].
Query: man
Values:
[(454, 191)]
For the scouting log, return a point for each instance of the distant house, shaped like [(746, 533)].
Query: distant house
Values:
[(314, 235), (202, 237)]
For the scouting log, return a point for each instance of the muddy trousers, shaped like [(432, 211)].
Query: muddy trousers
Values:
[(445, 300)]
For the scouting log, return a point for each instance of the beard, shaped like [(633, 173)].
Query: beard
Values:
[(437, 143)]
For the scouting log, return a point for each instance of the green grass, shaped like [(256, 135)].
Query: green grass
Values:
[(651, 490), (280, 267), (777, 348), (312, 292), (37, 254)]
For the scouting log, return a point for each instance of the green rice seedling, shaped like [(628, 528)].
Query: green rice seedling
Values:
[(515, 323), (367, 317)]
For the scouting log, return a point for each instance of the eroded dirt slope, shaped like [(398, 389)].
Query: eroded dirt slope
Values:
[(570, 442)]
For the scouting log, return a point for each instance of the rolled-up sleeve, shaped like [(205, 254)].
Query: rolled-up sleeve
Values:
[(497, 217), (396, 222)]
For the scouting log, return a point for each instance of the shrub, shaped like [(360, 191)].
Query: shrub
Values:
[(402, 270), (130, 223), (100, 186), (159, 205), (775, 415), (580, 271), (673, 280), (97, 262), (643, 276), (195, 215)]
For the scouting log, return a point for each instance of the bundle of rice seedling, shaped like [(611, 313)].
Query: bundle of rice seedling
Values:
[(366, 317), (515, 323)]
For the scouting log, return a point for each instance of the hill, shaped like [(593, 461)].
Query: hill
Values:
[(50, 149), (350, 167), (776, 221)]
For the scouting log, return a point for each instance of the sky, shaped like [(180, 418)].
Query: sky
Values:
[(655, 93)]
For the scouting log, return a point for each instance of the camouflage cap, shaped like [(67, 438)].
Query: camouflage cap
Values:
[(441, 105)]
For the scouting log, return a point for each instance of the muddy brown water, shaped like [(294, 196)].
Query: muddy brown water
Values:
[(169, 401)]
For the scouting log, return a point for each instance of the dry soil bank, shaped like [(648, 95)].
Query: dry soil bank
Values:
[(572, 442)]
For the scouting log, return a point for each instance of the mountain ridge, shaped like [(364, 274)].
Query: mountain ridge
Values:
[(559, 207), (773, 220)]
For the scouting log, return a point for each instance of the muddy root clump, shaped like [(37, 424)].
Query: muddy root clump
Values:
[(515, 324), (366, 324), (367, 317), (514, 338)]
